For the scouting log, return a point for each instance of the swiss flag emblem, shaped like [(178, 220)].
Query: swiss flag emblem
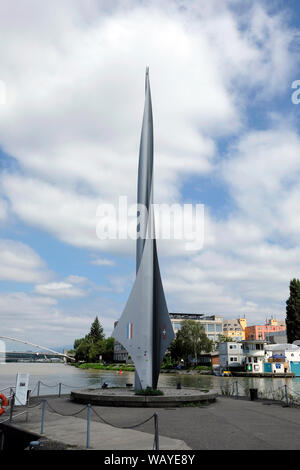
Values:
[(164, 332)]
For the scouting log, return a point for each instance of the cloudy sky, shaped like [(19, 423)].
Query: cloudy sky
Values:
[(226, 135)]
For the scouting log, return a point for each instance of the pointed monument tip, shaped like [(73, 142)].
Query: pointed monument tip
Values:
[(147, 78)]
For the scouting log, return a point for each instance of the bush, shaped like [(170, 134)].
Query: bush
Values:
[(149, 391)]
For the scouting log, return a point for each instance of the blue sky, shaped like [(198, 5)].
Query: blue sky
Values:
[(226, 136)]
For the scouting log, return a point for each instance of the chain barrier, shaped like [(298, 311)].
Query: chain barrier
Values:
[(122, 427), (71, 386), (15, 416), (6, 388), (274, 394), (49, 386), (61, 414), (293, 391), (45, 403), (34, 406)]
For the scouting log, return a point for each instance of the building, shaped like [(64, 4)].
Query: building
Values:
[(210, 359), (256, 356), (120, 353), (235, 329), (277, 337), (258, 332), (213, 324), (231, 355), (254, 353), (281, 358)]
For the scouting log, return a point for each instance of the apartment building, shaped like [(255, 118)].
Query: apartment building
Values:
[(235, 329), (213, 324), (258, 332)]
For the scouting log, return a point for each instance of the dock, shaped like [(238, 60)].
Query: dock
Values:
[(263, 374)]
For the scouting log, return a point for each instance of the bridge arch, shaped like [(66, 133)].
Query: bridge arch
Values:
[(9, 338)]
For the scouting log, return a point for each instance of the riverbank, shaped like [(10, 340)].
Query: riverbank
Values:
[(58, 377), (98, 366), (131, 368), (227, 424)]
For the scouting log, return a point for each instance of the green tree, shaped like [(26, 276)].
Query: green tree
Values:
[(77, 342), (82, 350), (108, 353), (94, 345), (224, 339), (176, 348), (190, 340), (96, 332), (95, 350), (293, 312)]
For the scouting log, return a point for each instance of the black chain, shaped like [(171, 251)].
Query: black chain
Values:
[(61, 414), (122, 427)]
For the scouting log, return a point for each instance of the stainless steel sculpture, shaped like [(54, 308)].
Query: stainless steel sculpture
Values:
[(145, 329)]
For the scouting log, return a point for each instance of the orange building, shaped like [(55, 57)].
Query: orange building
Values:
[(256, 332)]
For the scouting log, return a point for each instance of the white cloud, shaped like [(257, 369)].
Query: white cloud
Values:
[(102, 262), (40, 320), (263, 173), (3, 209), (74, 73), (73, 122), (20, 263), (59, 289), (73, 279)]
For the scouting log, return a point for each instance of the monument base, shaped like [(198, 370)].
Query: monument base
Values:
[(126, 397)]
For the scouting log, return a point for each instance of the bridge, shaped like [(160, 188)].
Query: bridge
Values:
[(65, 356)]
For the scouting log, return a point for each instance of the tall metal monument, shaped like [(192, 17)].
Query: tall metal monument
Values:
[(145, 329)]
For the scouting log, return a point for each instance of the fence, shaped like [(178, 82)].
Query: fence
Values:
[(284, 394), (44, 404)]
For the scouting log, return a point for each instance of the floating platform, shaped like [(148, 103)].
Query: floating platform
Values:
[(263, 374), (126, 397)]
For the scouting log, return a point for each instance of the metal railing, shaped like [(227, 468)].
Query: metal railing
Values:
[(44, 404)]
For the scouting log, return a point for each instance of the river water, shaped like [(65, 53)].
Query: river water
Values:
[(70, 377)]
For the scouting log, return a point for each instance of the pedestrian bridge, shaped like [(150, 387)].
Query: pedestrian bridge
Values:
[(44, 348)]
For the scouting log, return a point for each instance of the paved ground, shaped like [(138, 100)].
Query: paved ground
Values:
[(227, 424)]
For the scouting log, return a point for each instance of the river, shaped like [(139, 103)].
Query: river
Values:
[(70, 377)]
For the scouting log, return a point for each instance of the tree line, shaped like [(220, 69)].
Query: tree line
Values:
[(94, 346), (190, 341)]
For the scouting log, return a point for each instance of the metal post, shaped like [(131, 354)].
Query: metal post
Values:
[(237, 389), (43, 415), (156, 436), (38, 389), (27, 405), (1, 439), (59, 389), (286, 395), (11, 410), (88, 426)]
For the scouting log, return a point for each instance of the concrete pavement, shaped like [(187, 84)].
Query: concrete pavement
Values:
[(228, 423), (72, 431)]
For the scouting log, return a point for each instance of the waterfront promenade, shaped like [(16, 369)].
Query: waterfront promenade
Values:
[(227, 424)]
